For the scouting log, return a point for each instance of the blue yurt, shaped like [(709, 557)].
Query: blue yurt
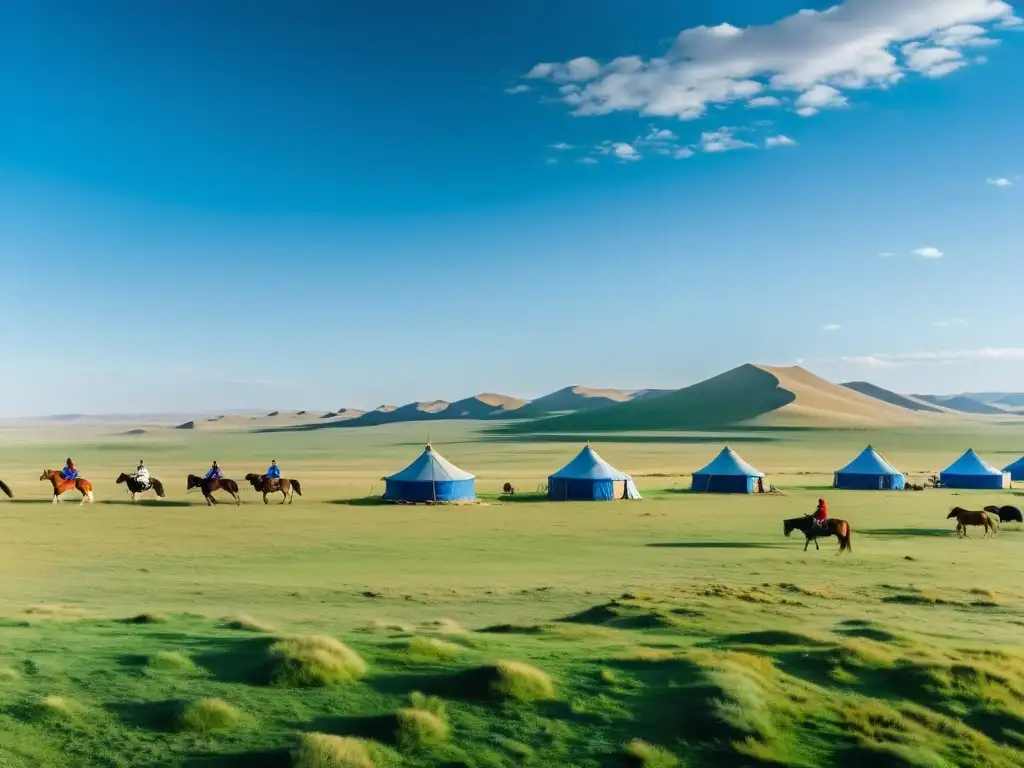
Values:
[(1016, 470), (869, 472), (970, 472), (728, 473), (588, 477), (431, 478)]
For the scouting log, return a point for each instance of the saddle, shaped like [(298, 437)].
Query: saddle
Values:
[(271, 484), (144, 486)]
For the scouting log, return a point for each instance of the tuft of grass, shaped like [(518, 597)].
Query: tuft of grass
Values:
[(210, 714), (313, 660), (245, 623), (319, 750), (59, 708), (447, 627), (431, 649), (420, 728), (640, 754), (8, 675), (431, 704), (607, 676), (171, 661), (147, 618), (523, 682)]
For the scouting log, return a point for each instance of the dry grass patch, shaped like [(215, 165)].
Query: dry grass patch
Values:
[(313, 660), (59, 708), (640, 754), (55, 611), (319, 750), (8, 675), (245, 623), (420, 728), (446, 627), (513, 680), (171, 661), (431, 649), (206, 715)]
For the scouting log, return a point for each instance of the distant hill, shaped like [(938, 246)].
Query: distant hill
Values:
[(187, 425), (483, 406), (963, 404), (749, 394), (570, 400), (871, 390)]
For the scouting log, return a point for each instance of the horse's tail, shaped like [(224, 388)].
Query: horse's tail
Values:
[(229, 485), (845, 542), (6, 490), (296, 487), (158, 487)]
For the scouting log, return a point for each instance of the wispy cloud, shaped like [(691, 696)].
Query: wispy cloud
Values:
[(885, 255), (831, 327), (820, 57), (521, 88), (928, 252), (588, 160), (1000, 182), (946, 357), (764, 102), (953, 321), (562, 146), (723, 140), (779, 141)]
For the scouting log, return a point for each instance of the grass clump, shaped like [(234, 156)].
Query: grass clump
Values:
[(59, 708), (640, 754), (431, 704), (431, 649), (420, 728), (313, 660), (245, 623), (510, 680), (8, 675), (147, 618), (210, 714), (171, 661), (319, 750)]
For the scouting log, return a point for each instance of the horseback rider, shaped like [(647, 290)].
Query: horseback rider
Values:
[(142, 474), (69, 472), (214, 473), (273, 471), (820, 515)]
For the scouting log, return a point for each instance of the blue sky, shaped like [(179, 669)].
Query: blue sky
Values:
[(207, 205)]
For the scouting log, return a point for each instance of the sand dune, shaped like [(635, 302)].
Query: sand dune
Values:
[(903, 401), (571, 400)]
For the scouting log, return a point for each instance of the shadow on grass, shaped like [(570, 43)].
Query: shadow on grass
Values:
[(712, 545), (147, 503), (271, 758), (380, 728), (366, 501), (159, 716), (901, 532), (237, 660)]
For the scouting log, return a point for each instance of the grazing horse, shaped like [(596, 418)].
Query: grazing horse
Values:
[(208, 486), (965, 517), (6, 490), (135, 487), (1006, 514), (833, 527), (508, 489), (263, 484), (60, 485)]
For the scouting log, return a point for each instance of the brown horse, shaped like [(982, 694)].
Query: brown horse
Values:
[(508, 489), (60, 485), (214, 484), (263, 484), (965, 517), (1006, 514), (833, 527), (6, 490)]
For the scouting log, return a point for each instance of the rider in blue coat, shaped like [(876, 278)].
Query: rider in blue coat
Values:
[(273, 471), (69, 472), (214, 472)]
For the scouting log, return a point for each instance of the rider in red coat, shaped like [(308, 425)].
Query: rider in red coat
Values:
[(821, 513)]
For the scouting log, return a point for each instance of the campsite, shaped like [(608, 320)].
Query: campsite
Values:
[(565, 625)]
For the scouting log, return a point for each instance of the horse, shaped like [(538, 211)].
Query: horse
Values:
[(208, 486), (508, 489), (1006, 514), (135, 487), (263, 484), (833, 527), (6, 490), (966, 517), (61, 485)]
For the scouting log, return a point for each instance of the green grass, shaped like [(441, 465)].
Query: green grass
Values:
[(681, 630)]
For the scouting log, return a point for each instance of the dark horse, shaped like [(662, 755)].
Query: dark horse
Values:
[(965, 517), (214, 484), (263, 484), (833, 527), (508, 489), (6, 490), (1006, 514), (135, 487)]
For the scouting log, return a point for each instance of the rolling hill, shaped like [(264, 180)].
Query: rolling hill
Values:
[(749, 394), (886, 396), (963, 404), (571, 400)]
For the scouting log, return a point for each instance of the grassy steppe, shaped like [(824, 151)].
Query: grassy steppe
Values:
[(681, 630)]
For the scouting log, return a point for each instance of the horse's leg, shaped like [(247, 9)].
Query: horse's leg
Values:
[(816, 543), (265, 498), (284, 495), (807, 543)]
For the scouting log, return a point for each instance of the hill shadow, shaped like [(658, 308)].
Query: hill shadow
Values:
[(712, 545), (501, 436)]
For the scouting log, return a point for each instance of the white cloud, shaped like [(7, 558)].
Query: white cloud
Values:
[(620, 149), (954, 321), (948, 357), (682, 153), (763, 102), (855, 44), (928, 252), (779, 141), (999, 182), (660, 134), (589, 160), (562, 146), (831, 327), (820, 97), (885, 255), (722, 140), (521, 88)]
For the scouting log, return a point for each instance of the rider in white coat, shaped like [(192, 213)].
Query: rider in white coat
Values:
[(142, 474)]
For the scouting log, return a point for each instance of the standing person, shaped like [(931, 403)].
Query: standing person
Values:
[(69, 472), (214, 472), (273, 471)]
